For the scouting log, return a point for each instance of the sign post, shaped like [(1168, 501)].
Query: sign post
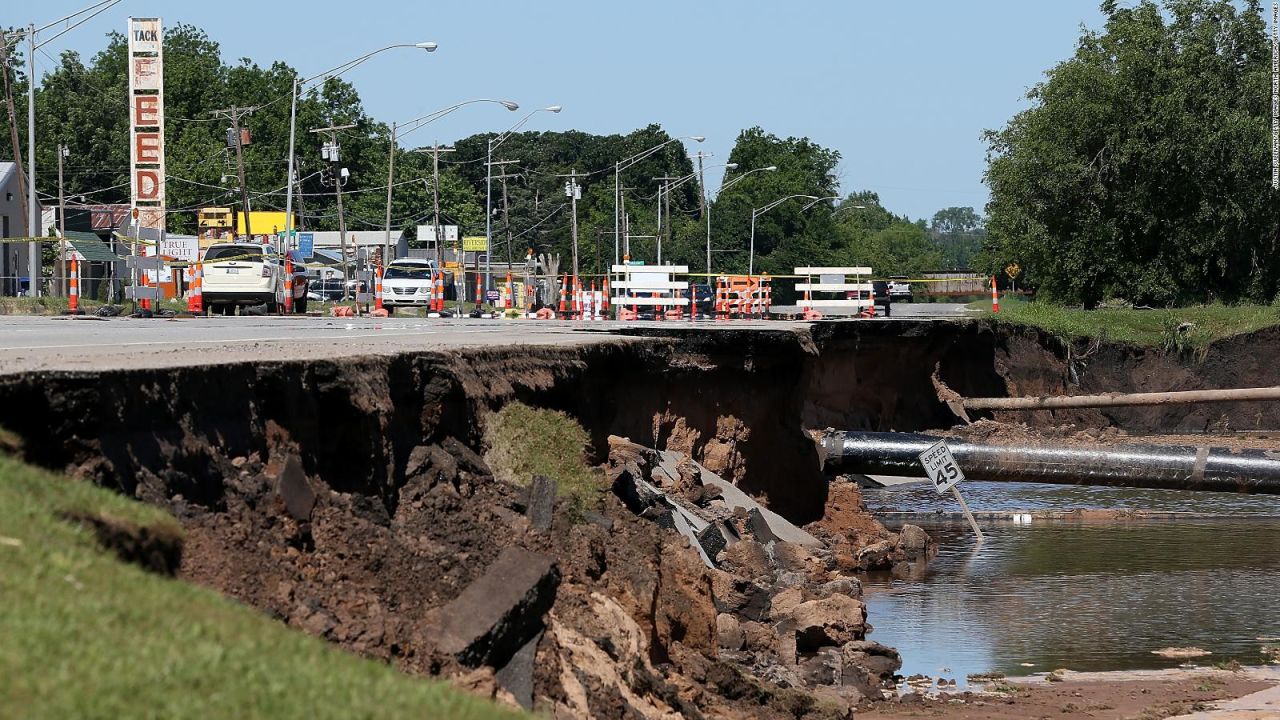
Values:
[(945, 474), (146, 122)]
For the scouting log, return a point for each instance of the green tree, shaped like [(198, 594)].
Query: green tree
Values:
[(787, 236), (959, 233), (1142, 168)]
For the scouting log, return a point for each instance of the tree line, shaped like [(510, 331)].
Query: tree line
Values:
[(82, 106)]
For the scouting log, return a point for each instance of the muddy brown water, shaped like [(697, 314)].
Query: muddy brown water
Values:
[(1088, 597)]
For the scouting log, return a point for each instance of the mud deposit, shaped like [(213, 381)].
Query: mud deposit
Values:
[(349, 499)]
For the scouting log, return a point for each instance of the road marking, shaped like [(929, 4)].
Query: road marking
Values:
[(104, 346)]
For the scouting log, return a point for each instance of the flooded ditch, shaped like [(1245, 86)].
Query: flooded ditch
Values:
[(1041, 594)]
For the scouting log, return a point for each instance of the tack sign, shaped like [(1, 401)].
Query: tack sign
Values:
[(941, 467)]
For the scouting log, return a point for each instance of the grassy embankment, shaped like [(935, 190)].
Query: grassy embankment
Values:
[(88, 635), (525, 441), (1174, 329)]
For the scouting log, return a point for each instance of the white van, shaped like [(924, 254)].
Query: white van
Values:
[(407, 283)]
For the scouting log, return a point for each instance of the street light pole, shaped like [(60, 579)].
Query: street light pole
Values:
[(488, 189), (410, 126), (293, 119), (751, 258), (623, 164)]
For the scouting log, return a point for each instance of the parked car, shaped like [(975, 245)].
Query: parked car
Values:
[(900, 289), (330, 290), (883, 297), (245, 274), (239, 275), (407, 282)]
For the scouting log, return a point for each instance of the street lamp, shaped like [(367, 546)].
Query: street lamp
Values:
[(494, 142), (751, 261), (731, 183), (293, 119), (669, 185), (621, 165), (33, 215), (416, 124)]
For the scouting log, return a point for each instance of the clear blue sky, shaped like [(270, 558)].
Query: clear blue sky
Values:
[(902, 89)]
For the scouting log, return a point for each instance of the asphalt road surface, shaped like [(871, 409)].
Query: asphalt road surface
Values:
[(91, 343)]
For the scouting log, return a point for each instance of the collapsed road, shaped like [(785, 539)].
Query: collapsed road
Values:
[(343, 487)]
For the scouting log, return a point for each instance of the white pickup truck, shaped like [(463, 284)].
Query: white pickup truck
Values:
[(900, 289)]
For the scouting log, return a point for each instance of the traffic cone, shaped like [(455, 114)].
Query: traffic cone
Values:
[(73, 289), (377, 288), (195, 294), (510, 291), (607, 298), (995, 296), (564, 294), (288, 285)]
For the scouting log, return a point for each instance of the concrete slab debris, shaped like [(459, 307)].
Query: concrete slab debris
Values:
[(500, 612), (735, 498), (541, 506), (294, 489), (516, 677)]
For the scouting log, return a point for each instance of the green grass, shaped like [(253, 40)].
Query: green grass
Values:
[(525, 441), (45, 305), (1175, 329), (85, 635)]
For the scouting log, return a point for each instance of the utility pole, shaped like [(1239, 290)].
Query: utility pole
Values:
[(574, 191), (13, 125), (704, 206), (62, 225), (302, 210), (234, 114), (330, 152), (436, 149), (391, 183), (488, 281), (664, 207), (33, 211)]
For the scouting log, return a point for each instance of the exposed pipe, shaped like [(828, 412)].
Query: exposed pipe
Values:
[(1143, 466), (1061, 402)]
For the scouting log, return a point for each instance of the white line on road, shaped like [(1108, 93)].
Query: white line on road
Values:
[(102, 346)]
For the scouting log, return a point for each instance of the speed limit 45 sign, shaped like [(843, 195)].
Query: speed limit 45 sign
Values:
[(941, 467)]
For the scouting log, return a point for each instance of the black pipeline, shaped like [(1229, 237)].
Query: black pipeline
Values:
[(1142, 466)]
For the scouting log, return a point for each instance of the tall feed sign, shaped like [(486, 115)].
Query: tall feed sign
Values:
[(146, 123)]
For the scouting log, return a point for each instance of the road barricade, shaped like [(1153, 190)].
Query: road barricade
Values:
[(856, 298), (652, 286)]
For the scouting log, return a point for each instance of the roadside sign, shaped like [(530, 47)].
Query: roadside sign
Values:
[(493, 295), (941, 467), (945, 474), (307, 244), (181, 248), (475, 243)]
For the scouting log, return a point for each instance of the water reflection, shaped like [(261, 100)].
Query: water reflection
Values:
[(1086, 597)]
